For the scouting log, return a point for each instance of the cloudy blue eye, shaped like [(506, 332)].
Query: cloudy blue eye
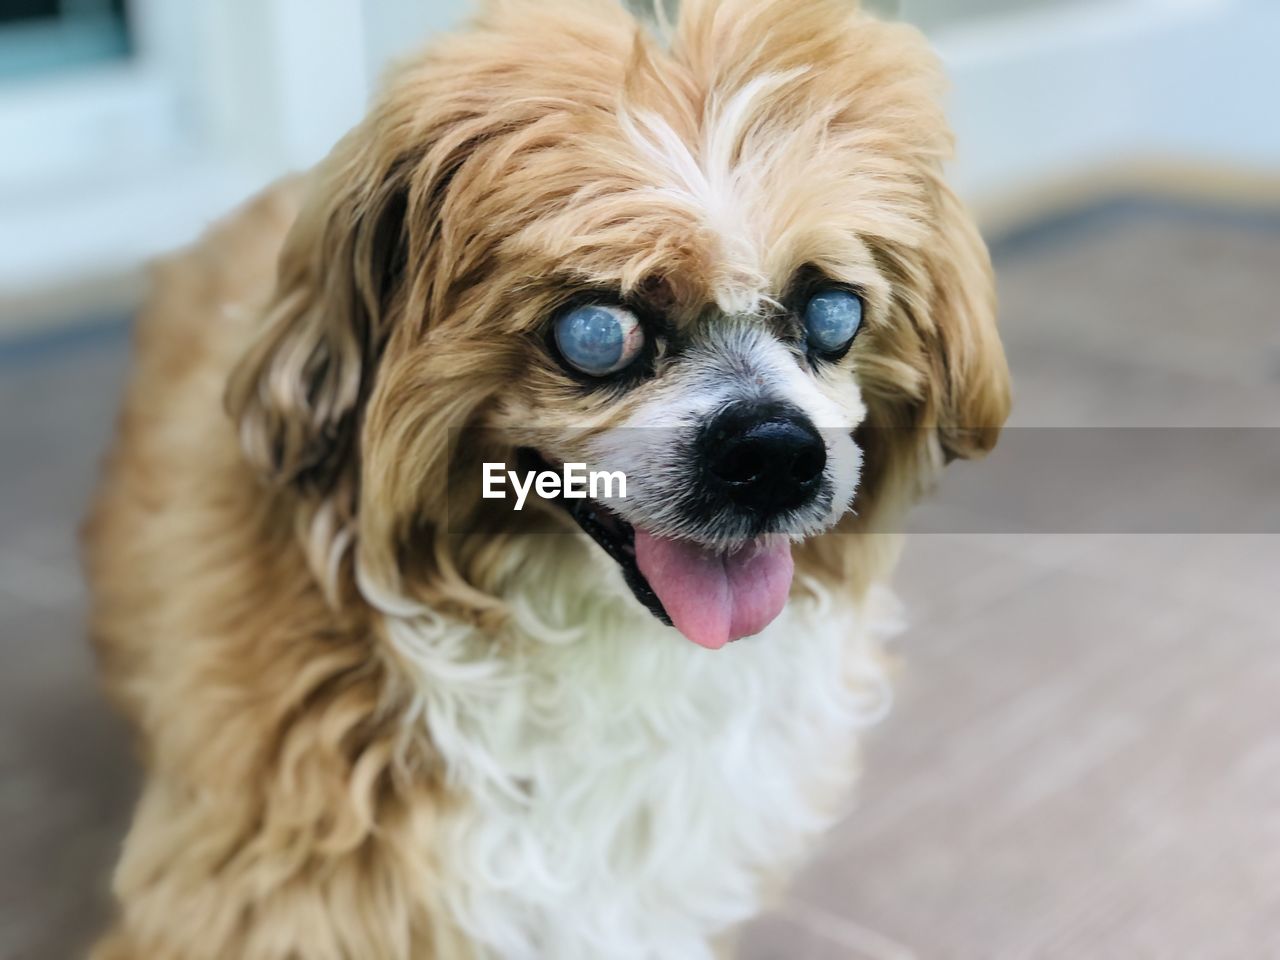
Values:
[(832, 318), (599, 339)]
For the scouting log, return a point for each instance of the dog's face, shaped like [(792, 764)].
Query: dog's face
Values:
[(722, 269), (730, 412)]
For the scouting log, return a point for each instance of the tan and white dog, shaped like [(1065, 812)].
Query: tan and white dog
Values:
[(383, 717)]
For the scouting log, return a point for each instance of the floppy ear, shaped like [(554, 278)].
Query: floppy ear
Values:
[(937, 388), (296, 394), (941, 392), (969, 393)]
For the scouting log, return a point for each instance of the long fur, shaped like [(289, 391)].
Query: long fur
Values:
[(368, 735)]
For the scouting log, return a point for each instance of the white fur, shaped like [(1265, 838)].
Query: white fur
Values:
[(715, 182), (623, 793)]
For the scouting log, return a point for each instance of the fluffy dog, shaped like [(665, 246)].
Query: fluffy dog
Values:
[(383, 716)]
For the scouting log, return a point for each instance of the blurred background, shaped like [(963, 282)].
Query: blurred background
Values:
[(1084, 759)]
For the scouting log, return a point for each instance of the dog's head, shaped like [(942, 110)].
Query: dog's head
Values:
[(727, 267)]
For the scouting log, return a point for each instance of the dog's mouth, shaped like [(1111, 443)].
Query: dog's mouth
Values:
[(711, 596)]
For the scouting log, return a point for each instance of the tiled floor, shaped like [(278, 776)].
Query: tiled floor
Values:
[(1084, 760)]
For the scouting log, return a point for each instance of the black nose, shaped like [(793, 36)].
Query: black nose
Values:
[(763, 457)]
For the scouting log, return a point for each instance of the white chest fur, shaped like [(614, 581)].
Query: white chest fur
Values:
[(626, 794)]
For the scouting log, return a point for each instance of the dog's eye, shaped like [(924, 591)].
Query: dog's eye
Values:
[(832, 318), (599, 339)]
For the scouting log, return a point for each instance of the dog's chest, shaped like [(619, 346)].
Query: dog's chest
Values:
[(624, 793)]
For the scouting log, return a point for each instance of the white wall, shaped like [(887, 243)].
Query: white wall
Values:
[(116, 165), (1042, 96), (935, 14), (396, 27), (284, 79)]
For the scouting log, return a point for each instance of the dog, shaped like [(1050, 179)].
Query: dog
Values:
[(382, 713)]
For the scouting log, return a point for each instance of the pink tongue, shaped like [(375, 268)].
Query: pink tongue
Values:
[(713, 599)]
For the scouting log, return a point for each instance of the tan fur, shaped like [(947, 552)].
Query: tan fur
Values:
[(287, 812)]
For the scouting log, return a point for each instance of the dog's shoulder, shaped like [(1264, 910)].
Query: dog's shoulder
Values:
[(177, 509)]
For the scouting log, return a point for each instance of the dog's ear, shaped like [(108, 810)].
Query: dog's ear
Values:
[(969, 390), (937, 388), (296, 394)]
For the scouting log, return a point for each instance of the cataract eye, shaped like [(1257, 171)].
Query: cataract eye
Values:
[(599, 339), (832, 319)]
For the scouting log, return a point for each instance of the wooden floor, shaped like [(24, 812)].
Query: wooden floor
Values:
[(1084, 758)]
